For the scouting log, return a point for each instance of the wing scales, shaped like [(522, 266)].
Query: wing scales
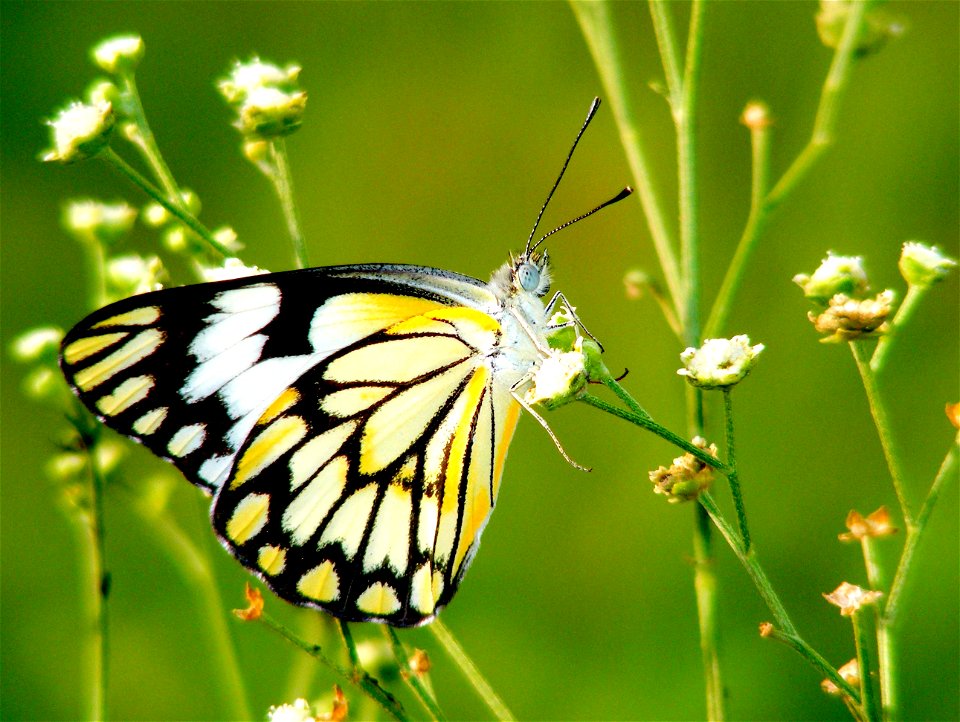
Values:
[(346, 419), (367, 508)]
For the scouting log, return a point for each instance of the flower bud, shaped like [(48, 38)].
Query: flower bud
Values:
[(687, 477), (923, 265), (756, 115), (719, 362), (850, 598), (875, 525), (836, 274), (847, 319), (253, 74), (96, 222), (559, 377), (299, 711), (132, 274), (37, 343), (80, 131), (851, 675), (878, 26), (230, 268), (271, 113), (120, 54)]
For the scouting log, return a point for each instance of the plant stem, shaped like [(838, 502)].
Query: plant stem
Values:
[(823, 125), (910, 302), (685, 118), (878, 410), (282, 180), (705, 587), (356, 677), (645, 422), (916, 533), (470, 671), (97, 637), (125, 169), (756, 222), (347, 637), (412, 679), (667, 45), (193, 563), (752, 565), (865, 662), (148, 143), (599, 30), (811, 655), (821, 138), (733, 476)]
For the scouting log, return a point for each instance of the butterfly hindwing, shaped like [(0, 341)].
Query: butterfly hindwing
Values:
[(365, 488), (347, 419)]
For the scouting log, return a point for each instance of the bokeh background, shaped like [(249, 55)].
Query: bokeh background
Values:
[(434, 131)]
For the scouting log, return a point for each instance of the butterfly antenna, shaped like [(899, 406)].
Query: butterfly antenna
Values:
[(619, 197), (590, 113)]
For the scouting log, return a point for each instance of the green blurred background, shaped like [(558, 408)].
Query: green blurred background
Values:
[(434, 131)]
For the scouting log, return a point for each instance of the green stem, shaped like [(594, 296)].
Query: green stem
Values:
[(733, 476), (705, 588), (910, 302), (347, 637), (667, 45), (752, 565), (356, 677), (599, 30), (861, 637), (756, 222), (916, 533), (302, 668), (645, 422), (821, 138), (96, 265), (125, 169), (282, 180), (811, 655), (889, 671), (97, 637), (823, 126), (470, 671), (148, 143), (412, 679), (685, 118), (193, 563), (878, 410)]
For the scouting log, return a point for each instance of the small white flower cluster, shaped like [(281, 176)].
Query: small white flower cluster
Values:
[(559, 377), (230, 269), (836, 274), (719, 362), (80, 131), (267, 98), (923, 265)]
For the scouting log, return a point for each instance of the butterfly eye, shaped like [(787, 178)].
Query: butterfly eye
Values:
[(528, 275)]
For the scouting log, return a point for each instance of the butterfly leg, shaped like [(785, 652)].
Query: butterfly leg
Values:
[(575, 319), (543, 422)]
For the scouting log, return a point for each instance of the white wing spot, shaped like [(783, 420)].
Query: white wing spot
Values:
[(187, 440)]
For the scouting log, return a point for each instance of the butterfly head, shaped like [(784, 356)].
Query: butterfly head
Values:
[(529, 273)]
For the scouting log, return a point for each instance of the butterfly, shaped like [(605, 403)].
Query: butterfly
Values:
[(351, 423)]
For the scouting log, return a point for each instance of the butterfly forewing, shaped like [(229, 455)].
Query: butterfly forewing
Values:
[(347, 419)]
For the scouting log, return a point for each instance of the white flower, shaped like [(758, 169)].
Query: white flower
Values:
[(132, 274), (98, 222), (119, 54), (230, 269), (81, 130), (559, 377), (246, 77), (923, 265), (719, 362), (299, 711), (36, 342), (836, 274)]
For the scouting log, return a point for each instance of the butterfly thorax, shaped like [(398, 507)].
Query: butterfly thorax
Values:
[(519, 286)]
